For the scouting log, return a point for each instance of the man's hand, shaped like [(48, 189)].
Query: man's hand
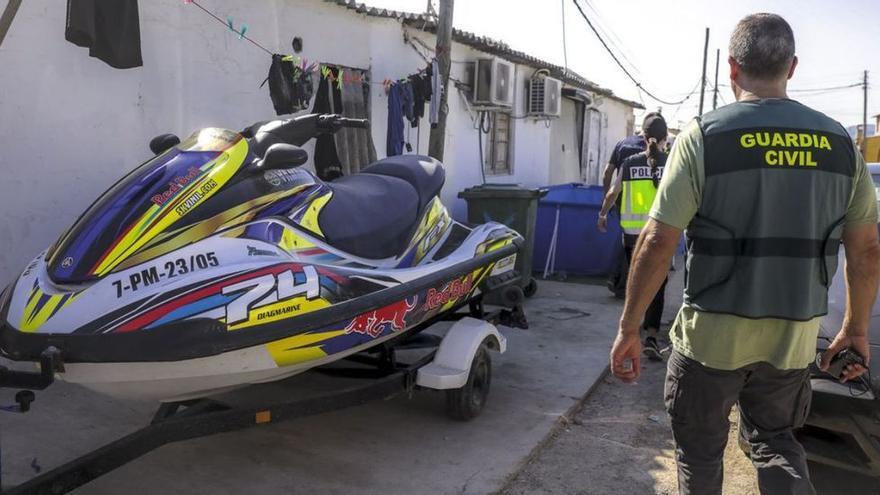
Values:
[(858, 343), (626, 356), (602, 223)]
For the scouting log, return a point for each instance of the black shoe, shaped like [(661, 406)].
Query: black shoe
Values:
[(652, 350)]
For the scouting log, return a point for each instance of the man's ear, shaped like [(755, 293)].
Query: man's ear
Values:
[(734, 68), (794, 63)]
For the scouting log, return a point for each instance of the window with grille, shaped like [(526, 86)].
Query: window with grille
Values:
[(498, 160)]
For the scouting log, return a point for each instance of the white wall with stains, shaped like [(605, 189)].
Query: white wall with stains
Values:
[(70, 125)]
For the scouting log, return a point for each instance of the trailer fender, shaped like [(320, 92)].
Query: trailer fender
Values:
[(453, 359)]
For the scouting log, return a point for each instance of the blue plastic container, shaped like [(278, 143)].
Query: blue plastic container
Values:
[(580, 248)]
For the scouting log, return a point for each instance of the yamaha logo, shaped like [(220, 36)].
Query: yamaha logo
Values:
[(67, 262), (273, 177)]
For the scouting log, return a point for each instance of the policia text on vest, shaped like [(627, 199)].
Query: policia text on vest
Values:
[(786, 148)]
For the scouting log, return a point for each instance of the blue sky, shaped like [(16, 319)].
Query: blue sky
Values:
[(663, 43)]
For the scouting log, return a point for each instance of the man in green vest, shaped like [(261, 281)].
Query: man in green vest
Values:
[(766, 190)]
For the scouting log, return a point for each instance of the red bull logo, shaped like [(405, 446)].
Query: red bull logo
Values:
[(376, 322), (453, 290)]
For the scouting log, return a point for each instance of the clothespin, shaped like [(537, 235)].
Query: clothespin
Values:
[(187, 2), (230, 23), (340, 78)]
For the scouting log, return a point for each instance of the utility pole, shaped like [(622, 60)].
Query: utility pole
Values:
[(443, 53), (715, 96), (7, 16), (865, 108), (703, 80)]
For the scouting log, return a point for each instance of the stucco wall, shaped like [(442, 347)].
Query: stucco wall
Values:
[(70, 125)]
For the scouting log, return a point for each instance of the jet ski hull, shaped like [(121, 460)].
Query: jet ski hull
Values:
[(193, 358)]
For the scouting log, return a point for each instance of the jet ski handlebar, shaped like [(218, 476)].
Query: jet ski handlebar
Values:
[(298, 130)]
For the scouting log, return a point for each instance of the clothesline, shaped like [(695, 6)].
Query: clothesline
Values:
[(224, 23)]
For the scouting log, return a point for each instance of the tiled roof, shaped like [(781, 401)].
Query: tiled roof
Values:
[(485, 44)]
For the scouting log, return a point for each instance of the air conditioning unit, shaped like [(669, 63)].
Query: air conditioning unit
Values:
[(493, 83), (545, 95)]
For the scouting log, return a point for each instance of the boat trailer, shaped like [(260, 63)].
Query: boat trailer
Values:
[(457, 363)]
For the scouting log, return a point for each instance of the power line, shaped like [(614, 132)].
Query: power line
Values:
[(812, 90), (619, 64), (828, 89), (564, 42), (615, 41)]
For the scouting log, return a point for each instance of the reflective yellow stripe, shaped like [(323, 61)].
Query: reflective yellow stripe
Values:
[(638, 196)]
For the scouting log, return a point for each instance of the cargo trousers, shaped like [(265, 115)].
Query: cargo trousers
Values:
[(772, 403)]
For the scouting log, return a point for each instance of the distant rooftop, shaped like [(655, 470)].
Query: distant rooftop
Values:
[(499, 48)]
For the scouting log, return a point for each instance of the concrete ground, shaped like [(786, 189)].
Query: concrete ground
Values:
[(398, 446)]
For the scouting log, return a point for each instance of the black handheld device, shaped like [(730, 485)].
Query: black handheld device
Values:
[(839, 362)]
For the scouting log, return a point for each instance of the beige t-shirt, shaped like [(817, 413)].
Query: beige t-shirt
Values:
[(724, 341)]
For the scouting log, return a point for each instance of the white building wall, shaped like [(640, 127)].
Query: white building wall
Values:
[(617, 123), (70, 125), (564, 163)]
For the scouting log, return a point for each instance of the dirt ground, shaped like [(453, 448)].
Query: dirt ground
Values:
[(619, 441)]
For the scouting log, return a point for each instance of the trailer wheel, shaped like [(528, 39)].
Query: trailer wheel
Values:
[(466, 403)]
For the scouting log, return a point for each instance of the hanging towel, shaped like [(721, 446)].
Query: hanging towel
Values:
[(355, 146), (110, 29)]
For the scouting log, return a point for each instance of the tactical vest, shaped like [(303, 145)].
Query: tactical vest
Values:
[(638, 191), (764, 241)]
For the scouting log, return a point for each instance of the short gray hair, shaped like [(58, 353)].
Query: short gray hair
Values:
[(763, 45)]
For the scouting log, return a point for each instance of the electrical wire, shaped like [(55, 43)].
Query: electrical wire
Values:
[(612, 38), (828, 89), (619, 64), (564, 43), (221, 21)]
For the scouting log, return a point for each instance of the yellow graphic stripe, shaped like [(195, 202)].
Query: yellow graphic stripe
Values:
[(161, 244), (299, 348), (34, 317), (280, 311), (291, 240), (158, 218), (310, 218)]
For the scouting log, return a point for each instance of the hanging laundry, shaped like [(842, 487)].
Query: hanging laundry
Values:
[(290, 86), (436, 89), (110, 29), (346, 151), (394, 143), (421, 88), (407, 100)]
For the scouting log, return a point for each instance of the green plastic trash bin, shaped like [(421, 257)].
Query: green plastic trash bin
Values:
[(514, 206)]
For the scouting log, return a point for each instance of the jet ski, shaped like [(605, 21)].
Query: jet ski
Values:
[(221, 262)]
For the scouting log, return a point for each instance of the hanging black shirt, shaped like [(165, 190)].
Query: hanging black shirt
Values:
[(110, 29)]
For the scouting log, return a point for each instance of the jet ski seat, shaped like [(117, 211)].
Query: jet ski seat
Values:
[(422, 172), (373, 214)]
